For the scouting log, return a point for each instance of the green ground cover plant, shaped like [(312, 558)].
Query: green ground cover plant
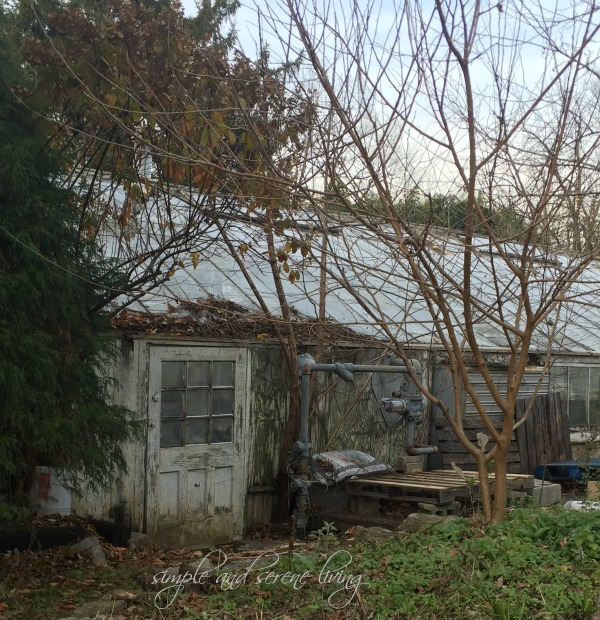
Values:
[(538, 563), (535, 564)]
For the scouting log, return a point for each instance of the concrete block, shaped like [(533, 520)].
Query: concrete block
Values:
[(364, 505), (515, 496), (545, 493), (441, 510), (409, 464), (401, 460), (412, 468)]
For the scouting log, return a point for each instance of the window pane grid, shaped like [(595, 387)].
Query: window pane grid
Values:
[(582, 386), (197, 401)]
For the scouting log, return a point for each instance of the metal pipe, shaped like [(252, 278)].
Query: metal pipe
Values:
[(302, 448), (304, 404), (410, 432), (358, 368), (415, 451)]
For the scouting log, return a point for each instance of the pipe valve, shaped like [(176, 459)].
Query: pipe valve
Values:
[(395, 406)]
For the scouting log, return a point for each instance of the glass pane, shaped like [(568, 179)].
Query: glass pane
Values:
[(559, 379), (197, 402), (198, 374), (171, 405), (578, 396), (173, 375), (222, 402), (171, 434), (222, 374), (594, 412), (196, 430), (221, 429)]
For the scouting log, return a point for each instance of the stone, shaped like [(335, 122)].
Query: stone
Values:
[(95, 609), (137, 539), (204, 564), (235, 566), (201, 574), (90, 546), (123, 595), (418, 521), (372, 534)]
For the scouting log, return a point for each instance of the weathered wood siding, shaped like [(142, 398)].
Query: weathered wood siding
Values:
[(128, 490), (346, 417), (269, 400)]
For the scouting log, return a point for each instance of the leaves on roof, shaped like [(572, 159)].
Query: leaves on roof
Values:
[(219, 318)]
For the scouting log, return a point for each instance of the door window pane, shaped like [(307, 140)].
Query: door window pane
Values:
[(198, 374), (196, 430), (171, 434), (222, 402), (222, 374), (171, 405), (198, 402), (173, 375), (221, 429)]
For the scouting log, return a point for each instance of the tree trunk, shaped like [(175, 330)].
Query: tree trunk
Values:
[(484, 489), (500, 490)]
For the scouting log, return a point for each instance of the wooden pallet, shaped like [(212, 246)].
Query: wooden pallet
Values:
[(437, 487), (452, 451)]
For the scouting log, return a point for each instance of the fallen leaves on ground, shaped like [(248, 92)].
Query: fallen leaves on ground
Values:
[(51, 584)]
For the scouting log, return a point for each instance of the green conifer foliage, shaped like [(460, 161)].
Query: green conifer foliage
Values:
[(55, 351)]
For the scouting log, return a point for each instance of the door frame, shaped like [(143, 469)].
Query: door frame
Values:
[(155, 353)]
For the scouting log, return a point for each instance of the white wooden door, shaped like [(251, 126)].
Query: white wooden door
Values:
[(195, 489)]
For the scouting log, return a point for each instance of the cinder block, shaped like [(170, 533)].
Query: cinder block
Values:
[(408, 459), (515, 496), (365, 505), (412, 468), (545, 493), (409, 464), (441, 510)]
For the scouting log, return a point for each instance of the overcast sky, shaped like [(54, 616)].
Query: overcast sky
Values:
[(245, 23)]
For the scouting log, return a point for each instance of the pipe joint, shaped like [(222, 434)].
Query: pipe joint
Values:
[(300, 485)]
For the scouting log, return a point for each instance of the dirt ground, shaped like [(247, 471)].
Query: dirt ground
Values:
[(59, 583)]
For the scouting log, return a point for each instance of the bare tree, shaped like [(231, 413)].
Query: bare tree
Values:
[(480, 98), (469, 99)]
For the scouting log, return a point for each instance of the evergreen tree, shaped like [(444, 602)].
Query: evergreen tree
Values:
[(54, 349)]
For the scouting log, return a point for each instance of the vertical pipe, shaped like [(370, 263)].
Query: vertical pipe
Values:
[(304, 404), (410, 432)]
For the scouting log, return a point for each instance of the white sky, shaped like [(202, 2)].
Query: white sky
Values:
[(245, 24), (527, 72)]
